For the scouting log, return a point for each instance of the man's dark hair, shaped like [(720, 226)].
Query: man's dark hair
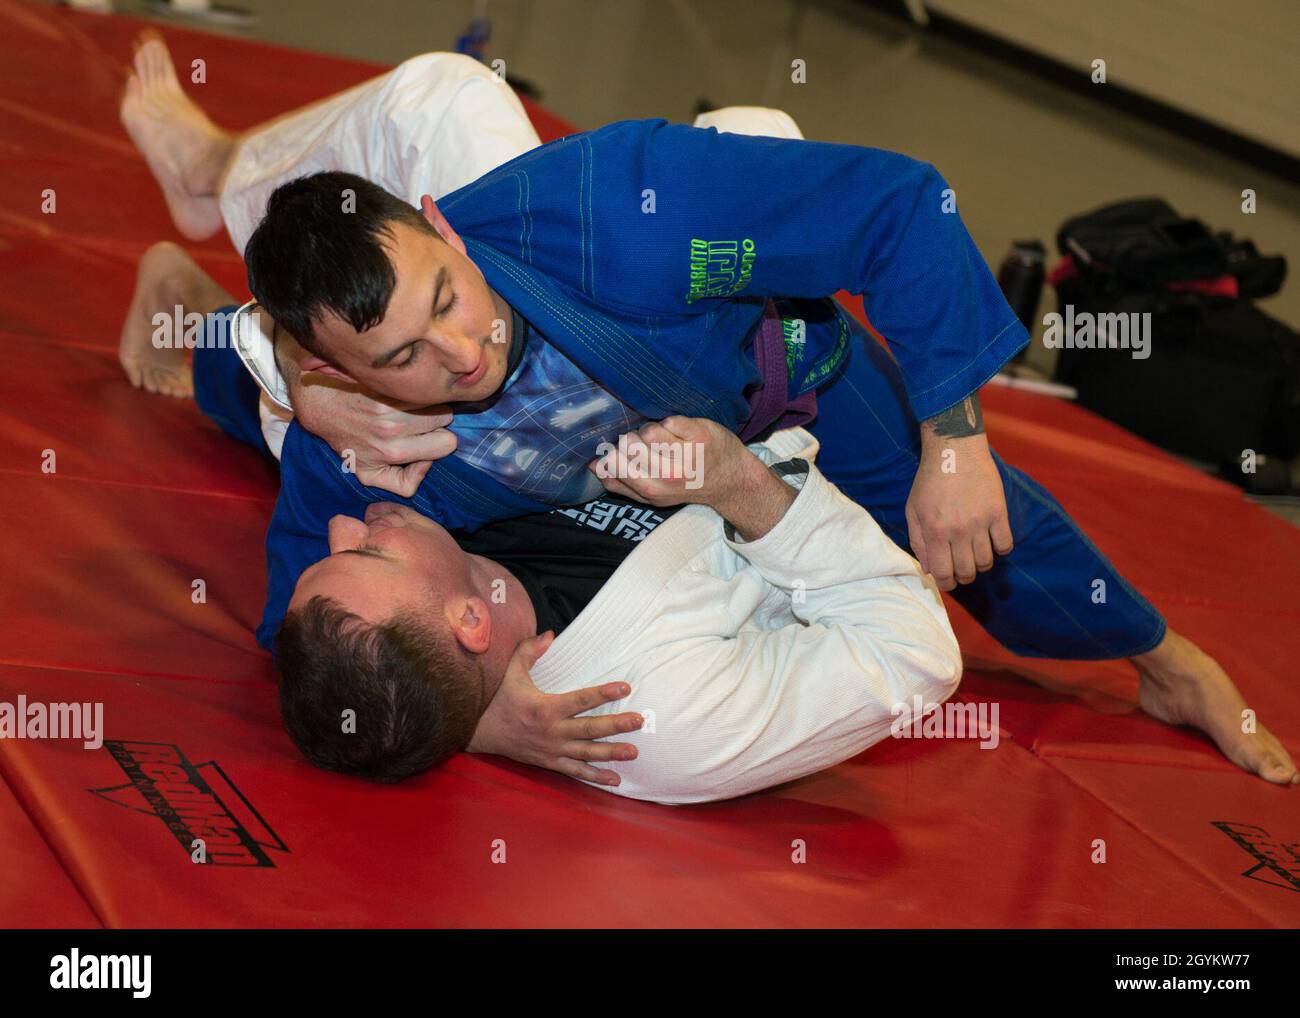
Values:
[(415, 697), (309, 256)]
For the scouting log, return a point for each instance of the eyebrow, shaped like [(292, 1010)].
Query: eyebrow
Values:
[(383, 359)]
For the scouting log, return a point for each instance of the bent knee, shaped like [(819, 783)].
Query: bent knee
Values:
[(437, 70), (764, 121)]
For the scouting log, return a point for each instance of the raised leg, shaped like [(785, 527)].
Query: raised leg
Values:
[(429, 126)]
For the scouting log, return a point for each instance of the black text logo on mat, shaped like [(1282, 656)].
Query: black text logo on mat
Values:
[(1276, 862), (195, 801)]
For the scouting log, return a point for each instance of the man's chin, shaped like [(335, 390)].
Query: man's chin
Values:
[(488, 385)]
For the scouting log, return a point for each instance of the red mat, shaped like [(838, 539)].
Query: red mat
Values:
[(100, 557)]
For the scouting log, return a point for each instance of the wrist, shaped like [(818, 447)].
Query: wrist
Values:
[(759, 505), (744, 475), (932, 439), (962, 422)]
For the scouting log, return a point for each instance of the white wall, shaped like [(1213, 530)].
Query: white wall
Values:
[(1235, 63)]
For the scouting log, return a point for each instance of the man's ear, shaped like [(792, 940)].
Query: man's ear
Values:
[(439, 222), (471, 623)]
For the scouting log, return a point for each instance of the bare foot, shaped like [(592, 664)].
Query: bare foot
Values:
[(186, 151), (1180, 684), (167, 278)]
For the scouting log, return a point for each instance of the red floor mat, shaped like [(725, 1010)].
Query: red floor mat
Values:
[(100, 557), (35, 891)]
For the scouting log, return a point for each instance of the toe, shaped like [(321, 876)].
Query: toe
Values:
[(1277, 771), (132, 370), (178, 384), (1275, 751), (140, 58), (149, 59), (1263, 754), (166, 69)]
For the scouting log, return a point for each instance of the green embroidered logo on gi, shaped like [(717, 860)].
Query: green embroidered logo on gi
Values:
[(795, 333), (720, 268), (832, 360)]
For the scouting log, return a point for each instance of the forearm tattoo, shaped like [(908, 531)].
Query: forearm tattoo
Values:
[(960, 421)]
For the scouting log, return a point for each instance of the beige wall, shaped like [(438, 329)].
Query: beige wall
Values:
[(1234, 62)]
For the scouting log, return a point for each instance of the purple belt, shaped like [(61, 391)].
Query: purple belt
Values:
[(770, 403)]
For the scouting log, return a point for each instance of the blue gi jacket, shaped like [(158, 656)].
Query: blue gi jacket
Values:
[(644, 252)]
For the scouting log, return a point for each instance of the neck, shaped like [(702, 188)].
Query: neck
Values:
[(513, 618)]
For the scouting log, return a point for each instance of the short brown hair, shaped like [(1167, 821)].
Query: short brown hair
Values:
[(415, 697)]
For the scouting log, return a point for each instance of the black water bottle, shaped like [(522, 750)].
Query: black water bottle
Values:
[(1021, 279)]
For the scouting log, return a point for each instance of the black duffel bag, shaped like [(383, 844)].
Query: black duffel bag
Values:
[(1221, 376)]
